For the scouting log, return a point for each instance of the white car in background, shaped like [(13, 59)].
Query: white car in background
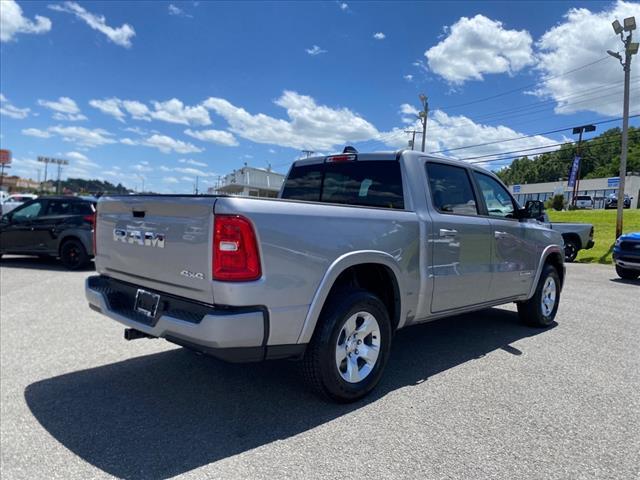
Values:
[(13, 201), (584, 201)]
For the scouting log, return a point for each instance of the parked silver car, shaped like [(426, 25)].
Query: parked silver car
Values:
[(357, 247)]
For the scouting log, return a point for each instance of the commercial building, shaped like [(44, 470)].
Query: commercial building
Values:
[(249, 182), (14, 184), (597, 188)]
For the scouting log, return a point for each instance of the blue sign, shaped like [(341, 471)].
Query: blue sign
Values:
[(516, 189), (573, 174), (613, 182)]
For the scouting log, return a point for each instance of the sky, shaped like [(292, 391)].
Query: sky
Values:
[(164, 92)]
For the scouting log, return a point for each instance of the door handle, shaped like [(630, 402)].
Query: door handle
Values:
[(448, 233), (500, 234)]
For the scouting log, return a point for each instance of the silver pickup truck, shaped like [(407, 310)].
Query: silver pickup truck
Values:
[(357, 247), (576, 236)]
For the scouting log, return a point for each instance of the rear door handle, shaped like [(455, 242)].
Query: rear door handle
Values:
[(498, 234), (448, 233)]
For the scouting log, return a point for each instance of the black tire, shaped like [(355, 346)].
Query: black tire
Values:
[(531, 312), (319, 363), (570, 250), (73, 255), (627, 274)]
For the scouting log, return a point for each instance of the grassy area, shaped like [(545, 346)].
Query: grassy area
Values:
[(604, 224)]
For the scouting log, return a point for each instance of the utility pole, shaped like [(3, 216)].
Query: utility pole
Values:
[(423, 116), (412, 142), (630, 49), (197, 184), (574, 173), (308, 153)]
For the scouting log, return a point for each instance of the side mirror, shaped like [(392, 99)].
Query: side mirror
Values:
[(6, 219), (534, 209)]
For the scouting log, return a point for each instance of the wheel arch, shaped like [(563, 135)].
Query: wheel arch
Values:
[(553, 255), (573, 237), (359, 266)]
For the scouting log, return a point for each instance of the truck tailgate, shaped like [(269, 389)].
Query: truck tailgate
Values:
[(161, 242)]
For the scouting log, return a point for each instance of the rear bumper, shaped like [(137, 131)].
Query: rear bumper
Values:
[(232, 334)]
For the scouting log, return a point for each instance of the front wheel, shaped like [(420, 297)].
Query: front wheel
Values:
[(626, 273), (540, 310), (350, 347)]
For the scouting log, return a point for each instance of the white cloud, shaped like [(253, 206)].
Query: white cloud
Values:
[(309, 126), (142, 167), (170, 180), (137, 110), (12, 22), (408, 77), (191, 171), (177, 11), (477, 46), (80, 159), (171, 111), (454, 131), (79, 135), (582, 38), (167, 144), (128, 141), (344, 6), (10, 110), (65, 108), (109, 106), (36, 132), (187, 179), (190, 161), (214, 136), (174, 111), (315, 50), (120, 36), (379, 36)]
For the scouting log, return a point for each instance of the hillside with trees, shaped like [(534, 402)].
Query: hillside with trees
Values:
[(84, 186), (600, 158)]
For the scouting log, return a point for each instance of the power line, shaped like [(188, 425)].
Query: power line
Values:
[(529, 136), (587, 145), (497, 95)]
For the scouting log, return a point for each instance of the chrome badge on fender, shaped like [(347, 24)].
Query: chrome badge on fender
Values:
[(138, 237)]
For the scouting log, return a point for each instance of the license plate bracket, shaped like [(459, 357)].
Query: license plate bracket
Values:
[(146, 303)]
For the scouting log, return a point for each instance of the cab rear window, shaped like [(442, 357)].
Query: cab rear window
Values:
[(363, 183)]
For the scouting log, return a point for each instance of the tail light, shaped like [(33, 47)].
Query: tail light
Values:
[(235, 250)]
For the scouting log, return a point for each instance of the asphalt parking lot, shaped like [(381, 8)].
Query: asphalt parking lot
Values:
[(476, 396)]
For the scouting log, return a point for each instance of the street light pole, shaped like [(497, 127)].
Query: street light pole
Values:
[(630, 49)]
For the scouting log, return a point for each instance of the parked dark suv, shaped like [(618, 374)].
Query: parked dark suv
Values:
[(51, 227), (612, 201)]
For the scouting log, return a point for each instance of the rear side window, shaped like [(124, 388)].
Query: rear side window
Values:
[(451, 190), (82, 208), (364, 183)]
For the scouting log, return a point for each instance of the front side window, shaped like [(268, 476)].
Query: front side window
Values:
[(27, 212), (451, 190), (496, 197)]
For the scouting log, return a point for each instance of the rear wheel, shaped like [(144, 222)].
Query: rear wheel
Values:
[(570, 250), (73, 255), (350, 347), (626, 273), (540, 310)]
